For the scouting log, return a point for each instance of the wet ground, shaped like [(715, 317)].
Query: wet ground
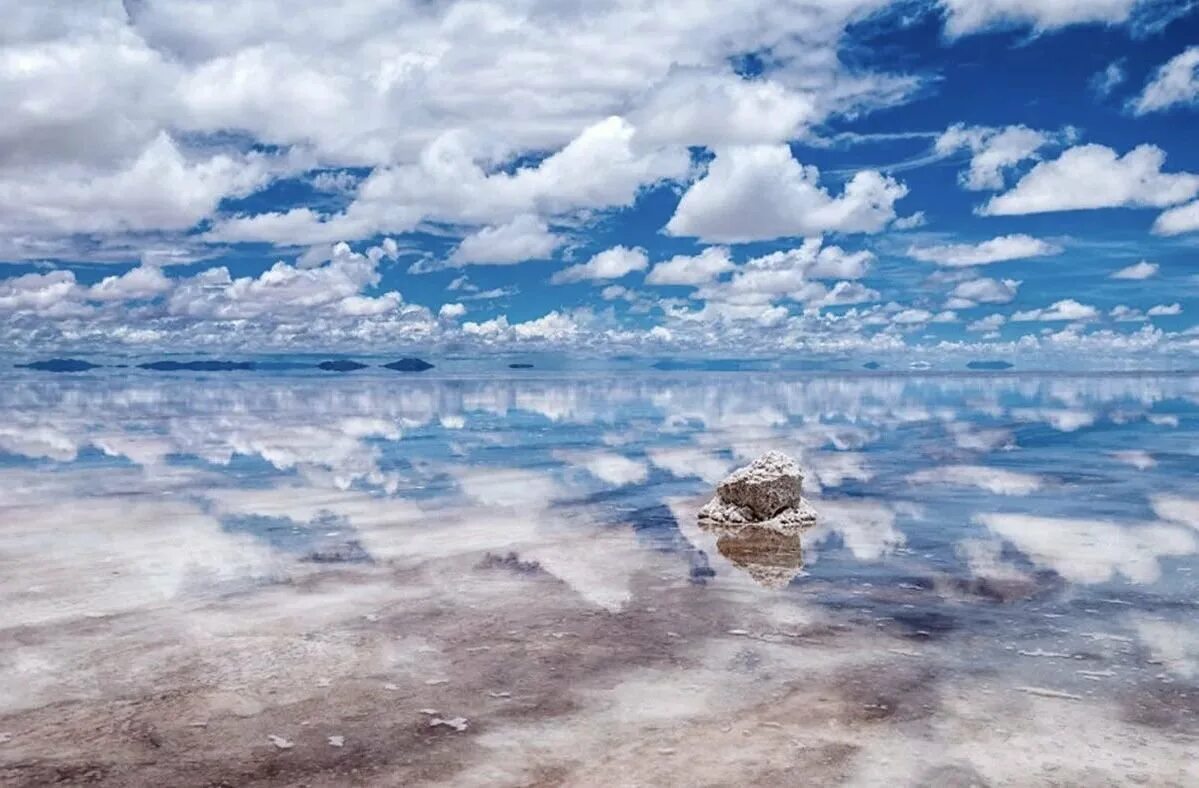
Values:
[(253, 579)]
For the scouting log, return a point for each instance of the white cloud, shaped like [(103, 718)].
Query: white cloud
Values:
[(691, 271), (788, 275), (1066, 309), (600, 168), (988, 324), (996, 250), (912, 316), (696, 107), (1109, 78), (609, 264), (554, 326), (757, 193), (1165, 310), (1126, 314), (162, 188), (1176, 82), (910, 222), (842, 294), (51, 295), (141, 282), (1094, 176), (1142, 270), (451, 311), (524, 238), (972, 16), (973, 292), (283, 290), (994, 151), (1183, 219)]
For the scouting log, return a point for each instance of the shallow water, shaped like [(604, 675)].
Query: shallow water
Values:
[(1000, 589)]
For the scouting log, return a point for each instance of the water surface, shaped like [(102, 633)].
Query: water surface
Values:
[(498, 579)]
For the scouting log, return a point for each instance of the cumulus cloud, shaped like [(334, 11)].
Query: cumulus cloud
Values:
[(789, 275), (451, 311), (1066, 309), (1165, 310), (757, 193), (609, 264), (993, 151), (1095, 176), (161, 188), (973, 292), (524, 238), (988, 325), (1175, 83), (1183, 219), (700, 107), (600, 168), (1126, 314), (141, 282), (283, 289), (995, 250), (691, 270)]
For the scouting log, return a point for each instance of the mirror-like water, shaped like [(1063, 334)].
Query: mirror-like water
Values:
[(247, 578)]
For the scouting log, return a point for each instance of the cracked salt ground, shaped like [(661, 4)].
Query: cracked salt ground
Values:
[(519, 590)]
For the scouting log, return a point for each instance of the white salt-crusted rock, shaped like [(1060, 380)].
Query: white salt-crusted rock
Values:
[(765, 487), (719, 515)]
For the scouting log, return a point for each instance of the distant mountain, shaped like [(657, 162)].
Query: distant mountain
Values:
[(409, 365), (341, 365), (989, 365), (196, 366), (708, 365), (520, 366), (60, 365), (872, 365)]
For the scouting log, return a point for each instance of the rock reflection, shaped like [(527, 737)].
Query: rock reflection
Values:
[(772, 558)]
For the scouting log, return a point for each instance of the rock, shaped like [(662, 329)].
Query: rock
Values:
[(337, 741), (721, 516), (758, 514), (409, 365), (341, 365), (280, 742), (765, 487)]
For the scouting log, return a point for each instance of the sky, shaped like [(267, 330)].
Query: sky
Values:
[(853, 179)]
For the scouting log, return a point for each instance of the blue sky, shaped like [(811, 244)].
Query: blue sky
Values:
[(853, 178)]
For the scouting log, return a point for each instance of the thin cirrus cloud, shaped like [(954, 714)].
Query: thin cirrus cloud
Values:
[(964, 17), (1175, 83), (995, 250), (1142, 270), (993, 151)]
